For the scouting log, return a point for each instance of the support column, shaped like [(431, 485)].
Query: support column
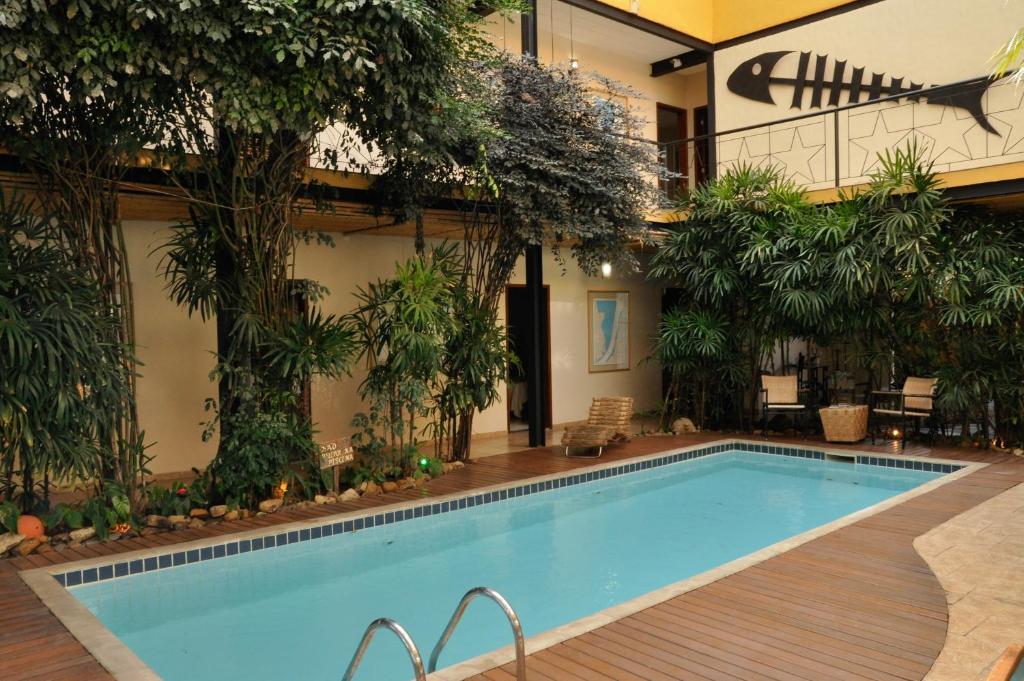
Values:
[(535, 388), (712, 159)]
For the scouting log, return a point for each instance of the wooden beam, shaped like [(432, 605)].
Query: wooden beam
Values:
[(678, 63)]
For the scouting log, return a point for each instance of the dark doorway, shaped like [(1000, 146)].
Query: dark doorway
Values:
[(700, 127), (518, 324), (672, 128)]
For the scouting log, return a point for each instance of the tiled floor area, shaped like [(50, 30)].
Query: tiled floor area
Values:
[(979, 559)]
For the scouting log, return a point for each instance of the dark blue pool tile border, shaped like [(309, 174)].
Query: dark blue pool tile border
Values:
[(171, 559)]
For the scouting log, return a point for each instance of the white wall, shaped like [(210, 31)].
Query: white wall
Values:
[(931, 42), (176, 351)]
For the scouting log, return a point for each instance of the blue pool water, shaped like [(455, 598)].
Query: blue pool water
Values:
[(297, 612)]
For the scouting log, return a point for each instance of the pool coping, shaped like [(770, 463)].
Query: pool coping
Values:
[(122, 662)]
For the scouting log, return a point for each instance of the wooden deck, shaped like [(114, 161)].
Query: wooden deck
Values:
[(856, 604)]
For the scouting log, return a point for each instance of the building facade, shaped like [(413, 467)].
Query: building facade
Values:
[(817, 87)]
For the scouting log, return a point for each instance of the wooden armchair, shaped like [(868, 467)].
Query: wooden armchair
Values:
[(911, 405), (780, 395), (608, 423)]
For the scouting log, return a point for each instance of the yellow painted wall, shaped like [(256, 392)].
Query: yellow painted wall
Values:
[(717, 20), (733, 18)]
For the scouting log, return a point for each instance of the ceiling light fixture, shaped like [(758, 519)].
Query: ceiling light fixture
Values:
[(606, 269)]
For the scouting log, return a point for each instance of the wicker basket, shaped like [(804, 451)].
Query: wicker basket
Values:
[(845, 423)]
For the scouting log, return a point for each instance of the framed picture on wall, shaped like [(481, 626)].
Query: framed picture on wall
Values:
[(608, 332)]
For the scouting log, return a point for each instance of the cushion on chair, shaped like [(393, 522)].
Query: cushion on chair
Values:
[(780, 389), (918, 386)]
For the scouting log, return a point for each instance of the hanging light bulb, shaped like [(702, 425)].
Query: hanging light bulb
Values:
[(574, 63), (606, 269)]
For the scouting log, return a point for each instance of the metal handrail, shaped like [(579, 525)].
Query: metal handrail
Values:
[(403, 636), (513, 619)]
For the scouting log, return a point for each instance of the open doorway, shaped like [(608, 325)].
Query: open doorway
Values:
[(518, 316)]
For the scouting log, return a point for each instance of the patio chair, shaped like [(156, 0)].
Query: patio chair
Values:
[(608, 423), (911, 405), (780, 395)]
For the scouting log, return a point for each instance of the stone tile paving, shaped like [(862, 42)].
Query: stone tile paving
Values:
[(978, 557)]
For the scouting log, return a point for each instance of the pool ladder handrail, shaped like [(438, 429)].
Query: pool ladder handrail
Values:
[(403, 636), (510, 613)]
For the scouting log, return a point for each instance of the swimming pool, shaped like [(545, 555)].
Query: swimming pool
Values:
[(298, 610)]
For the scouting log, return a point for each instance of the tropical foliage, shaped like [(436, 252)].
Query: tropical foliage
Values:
[(542, 164), (892, 281), (59, 371)]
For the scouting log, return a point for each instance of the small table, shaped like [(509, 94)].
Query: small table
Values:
[(845, 422)]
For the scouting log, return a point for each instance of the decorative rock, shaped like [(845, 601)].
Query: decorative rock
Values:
[(446, 468), (683, 425), (390, 486), (8, 541), (196, 524), (420, 481), (218, 511), (320, 499), (62, 537), (245, 513), (45, 547), (456, 465), (84, 534), (157, 521), (177, 519), (28, 546), (199, 513), (231, 515), (406, 483), (147, 531), (349, 495), (371, 488), (363, 486), (271, 505)]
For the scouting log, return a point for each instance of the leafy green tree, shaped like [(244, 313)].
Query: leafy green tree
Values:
[(84, 92), (58, 370), (543, 163), (267, 77), (720, 258)]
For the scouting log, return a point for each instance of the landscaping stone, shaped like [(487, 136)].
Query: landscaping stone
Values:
[(244, 513), (28, 546), (8, 541), (58, 538), (157, 521), (446, 468), (349, 495), (320, 499), (199, 513), (371, 488), (45, 547), (176, 519), (218, 511), (683, 425), (84, 534), (420, 481), (406, 483), (390, 486), (147, 531), (271, 505), (231, 515), (196, 524), (456, 465)]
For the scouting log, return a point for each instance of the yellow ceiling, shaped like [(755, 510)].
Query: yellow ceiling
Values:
[(718, 20)]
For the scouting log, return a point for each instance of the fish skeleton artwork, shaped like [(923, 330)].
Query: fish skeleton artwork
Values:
[(753, 80)]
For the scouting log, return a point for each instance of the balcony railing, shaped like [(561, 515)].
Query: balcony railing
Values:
[(959, 126)]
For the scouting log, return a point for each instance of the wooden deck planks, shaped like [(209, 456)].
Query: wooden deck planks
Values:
[(857, 604)]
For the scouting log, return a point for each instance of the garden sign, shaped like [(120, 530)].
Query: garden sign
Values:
[(336, 454)]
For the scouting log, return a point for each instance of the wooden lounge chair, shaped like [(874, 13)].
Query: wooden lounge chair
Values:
[(911, 405), (780, 395), (607, 424)]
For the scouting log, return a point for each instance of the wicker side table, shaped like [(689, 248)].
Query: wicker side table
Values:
[(845, 423)]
